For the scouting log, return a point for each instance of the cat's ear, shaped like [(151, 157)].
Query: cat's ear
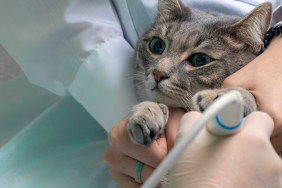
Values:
[(170, 10), (252, 27)]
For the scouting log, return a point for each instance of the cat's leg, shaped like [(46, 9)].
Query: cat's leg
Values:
[(147, 122), (203, 99)]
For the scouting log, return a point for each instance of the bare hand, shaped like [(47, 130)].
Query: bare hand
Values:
[(263, 78), (122, 155)]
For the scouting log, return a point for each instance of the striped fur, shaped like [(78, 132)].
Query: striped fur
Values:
[(231, 41), (168, 79)]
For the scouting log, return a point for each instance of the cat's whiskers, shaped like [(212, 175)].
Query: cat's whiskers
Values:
[(131, 77), (189, 95), (178, 97), (175, 90), (181, 96), (139, 75), (185, 103), (187, 100)]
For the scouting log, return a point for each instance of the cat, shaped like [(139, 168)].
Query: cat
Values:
[(183, 59)]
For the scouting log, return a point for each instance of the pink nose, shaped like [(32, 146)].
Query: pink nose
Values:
[(159, 75)]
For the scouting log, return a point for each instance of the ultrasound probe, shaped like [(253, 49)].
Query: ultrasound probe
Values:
[(222, 118)]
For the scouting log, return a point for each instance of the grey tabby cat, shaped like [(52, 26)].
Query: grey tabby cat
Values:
[(182, 60)]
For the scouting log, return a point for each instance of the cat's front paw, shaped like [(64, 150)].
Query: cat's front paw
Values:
[(147, 122), (203, 99)]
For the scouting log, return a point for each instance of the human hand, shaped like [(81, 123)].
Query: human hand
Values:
[(246, 159), (122, 155), (263, 78)]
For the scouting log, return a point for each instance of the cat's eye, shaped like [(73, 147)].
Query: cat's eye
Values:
[(157, 46), (199, 59)]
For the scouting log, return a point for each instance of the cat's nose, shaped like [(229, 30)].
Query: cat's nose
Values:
[(159, 75)]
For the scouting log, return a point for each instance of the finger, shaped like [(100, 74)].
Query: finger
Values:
[(172, 126), (258, 123), (126, 165), (151, 155), (187, 122), (272, 108), (122, 180), (203, 138)]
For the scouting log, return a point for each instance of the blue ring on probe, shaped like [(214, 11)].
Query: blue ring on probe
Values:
[(227, 127)]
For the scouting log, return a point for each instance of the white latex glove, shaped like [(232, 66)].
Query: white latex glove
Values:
[(246, 159)]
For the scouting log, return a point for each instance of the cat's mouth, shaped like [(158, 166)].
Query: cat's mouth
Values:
[(159, 92), (154, 88), (169, 94), (164, 93)]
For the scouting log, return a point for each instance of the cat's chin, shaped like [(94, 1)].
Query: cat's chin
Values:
[(169, 101), (156, 95)]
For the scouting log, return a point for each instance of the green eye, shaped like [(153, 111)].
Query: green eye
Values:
[(157, 46), (199, 59)]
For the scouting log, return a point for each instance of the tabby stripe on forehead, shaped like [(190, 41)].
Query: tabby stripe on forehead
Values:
[(198, 41), (173, 28), (233, 42), (166, 29), (192, 41)]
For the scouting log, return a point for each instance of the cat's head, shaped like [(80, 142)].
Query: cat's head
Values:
[(187, 50)]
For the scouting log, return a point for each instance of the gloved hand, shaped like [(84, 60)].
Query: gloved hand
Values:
[(246, 159)]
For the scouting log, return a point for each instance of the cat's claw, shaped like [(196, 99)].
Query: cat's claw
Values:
[(203, 99), (147, 122)]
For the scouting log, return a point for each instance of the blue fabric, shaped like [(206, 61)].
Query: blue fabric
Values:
[(58, 145)]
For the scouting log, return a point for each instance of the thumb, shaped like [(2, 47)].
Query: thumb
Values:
[(259, 124), (187, 122), (204, 138), (175, 116)]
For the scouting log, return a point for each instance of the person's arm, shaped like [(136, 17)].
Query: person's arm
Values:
[(263, 78)]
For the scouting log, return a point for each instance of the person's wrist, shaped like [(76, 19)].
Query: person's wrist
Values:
[(175, 115)]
